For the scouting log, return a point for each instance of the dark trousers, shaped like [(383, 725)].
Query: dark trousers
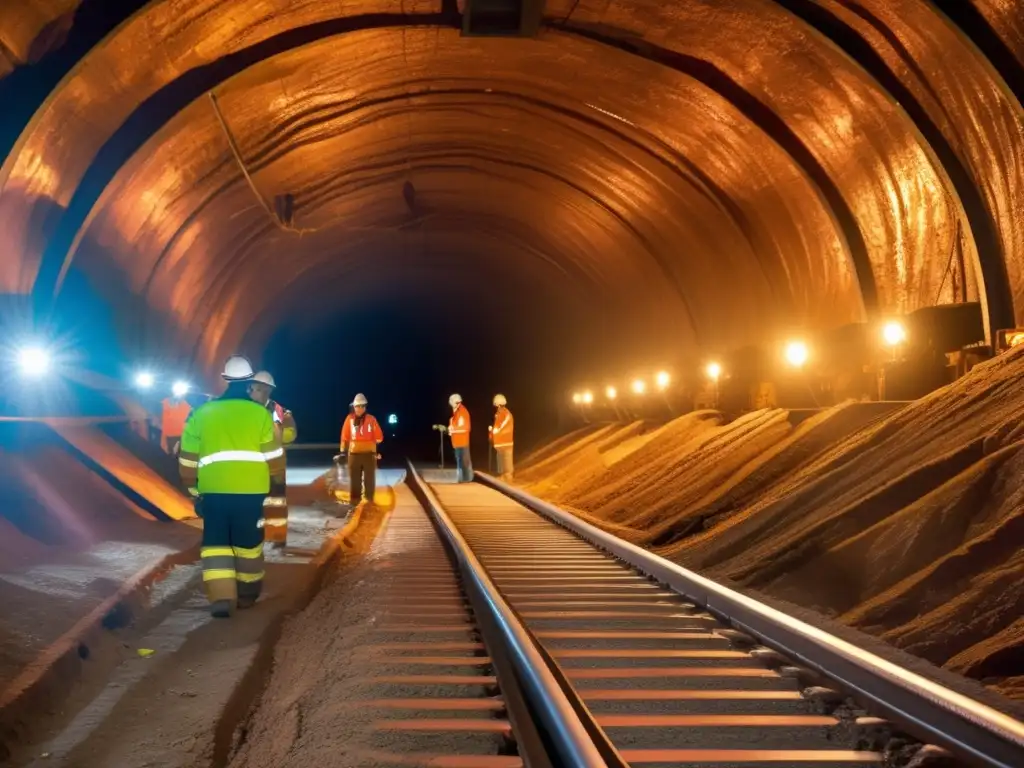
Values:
[(232, 551), (463, 465), (362, 467)]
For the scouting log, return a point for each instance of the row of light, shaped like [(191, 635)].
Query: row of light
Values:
[(36, 361), (796, 353), (146, 380), (638, 386)]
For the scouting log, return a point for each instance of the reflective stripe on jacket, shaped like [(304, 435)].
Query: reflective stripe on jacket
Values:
[(362, 437), (230, 446), (501, 433), (458, 427), (174, 416)]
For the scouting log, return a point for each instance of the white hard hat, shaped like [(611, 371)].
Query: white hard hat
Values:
[(237, 368), (454, 400), (264, 377), (359, 399), (500, 400)]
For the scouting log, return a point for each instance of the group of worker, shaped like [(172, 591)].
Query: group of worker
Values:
[(231, 459), (361, 436), (499, 434)]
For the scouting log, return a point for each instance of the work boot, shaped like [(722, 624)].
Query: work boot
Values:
[(245, 603), (221, 609)]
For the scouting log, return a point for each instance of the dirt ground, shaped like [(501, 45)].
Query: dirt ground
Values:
[(904, 524), (68, 541), (322, 703)]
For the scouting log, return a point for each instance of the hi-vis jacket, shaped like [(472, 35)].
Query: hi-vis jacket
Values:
[(458, 427), (501, 432), (362, 436), (173, 417), (230, 446)]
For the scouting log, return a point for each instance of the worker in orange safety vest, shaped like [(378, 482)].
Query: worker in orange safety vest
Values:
[(360, 436), (275, 506), (175, 412), (459, 429), (501, 437)]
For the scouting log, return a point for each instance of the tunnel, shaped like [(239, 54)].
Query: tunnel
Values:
[(377, 196), (624, 188)]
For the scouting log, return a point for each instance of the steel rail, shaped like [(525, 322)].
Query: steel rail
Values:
[(556, 716), (926, 710)]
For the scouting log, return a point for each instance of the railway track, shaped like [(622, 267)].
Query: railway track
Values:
[(642, 675), (435, 686)]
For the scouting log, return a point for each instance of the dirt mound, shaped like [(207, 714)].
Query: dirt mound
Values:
[(557, 460), (547, 450), (707, 466), (587, 467), (636, 472), (906, 525)]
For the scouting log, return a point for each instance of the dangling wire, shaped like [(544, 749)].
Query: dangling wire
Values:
[(245, 171)]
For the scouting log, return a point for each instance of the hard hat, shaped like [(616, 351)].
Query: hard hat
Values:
[(359, 399), (454, 400), (237, 368), (264, 377), (500, 400)]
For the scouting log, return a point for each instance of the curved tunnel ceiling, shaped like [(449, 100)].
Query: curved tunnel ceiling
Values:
[(720, 172)]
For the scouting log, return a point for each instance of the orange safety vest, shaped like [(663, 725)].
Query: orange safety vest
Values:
[(458, 427), (363, 437), (172, 422), (501, 433)]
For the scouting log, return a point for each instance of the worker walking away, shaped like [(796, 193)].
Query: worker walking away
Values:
[(458, 429), (501, 437), (275, 507), (175, 411), (229, 453), (360, 436)]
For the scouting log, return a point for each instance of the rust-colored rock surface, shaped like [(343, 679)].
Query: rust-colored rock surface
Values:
[(728, 171)]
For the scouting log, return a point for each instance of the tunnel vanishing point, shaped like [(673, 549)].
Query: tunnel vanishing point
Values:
[(721, 169)]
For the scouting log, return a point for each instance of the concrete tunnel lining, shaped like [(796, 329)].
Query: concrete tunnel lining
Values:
[(900, 196)]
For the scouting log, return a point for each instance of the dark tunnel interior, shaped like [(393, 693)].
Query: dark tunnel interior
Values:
[(362, 198)]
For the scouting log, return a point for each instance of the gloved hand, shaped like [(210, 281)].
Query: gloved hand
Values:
[(378, 457), (340, 458)]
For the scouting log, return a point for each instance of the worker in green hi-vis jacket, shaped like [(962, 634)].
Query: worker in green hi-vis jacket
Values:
[(230, 451)]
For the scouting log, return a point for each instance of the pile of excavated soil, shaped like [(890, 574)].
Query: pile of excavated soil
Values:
[(906, 525), (743, 467), (586, 467), (540, 469), (638, 471), (548, 449)]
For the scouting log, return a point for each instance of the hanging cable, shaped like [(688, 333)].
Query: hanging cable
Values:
[(245, 171)]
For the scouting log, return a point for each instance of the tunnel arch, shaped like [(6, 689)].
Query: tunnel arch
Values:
[(903, 245)]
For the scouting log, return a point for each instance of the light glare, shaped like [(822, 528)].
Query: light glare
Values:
[(145, 380), (588, 398), (714, 371), (894, 333), (34, 361), (392, 418), (577, 398), (180, 388), (639, 387), (611, 393), (796, 353), (662, 380)]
